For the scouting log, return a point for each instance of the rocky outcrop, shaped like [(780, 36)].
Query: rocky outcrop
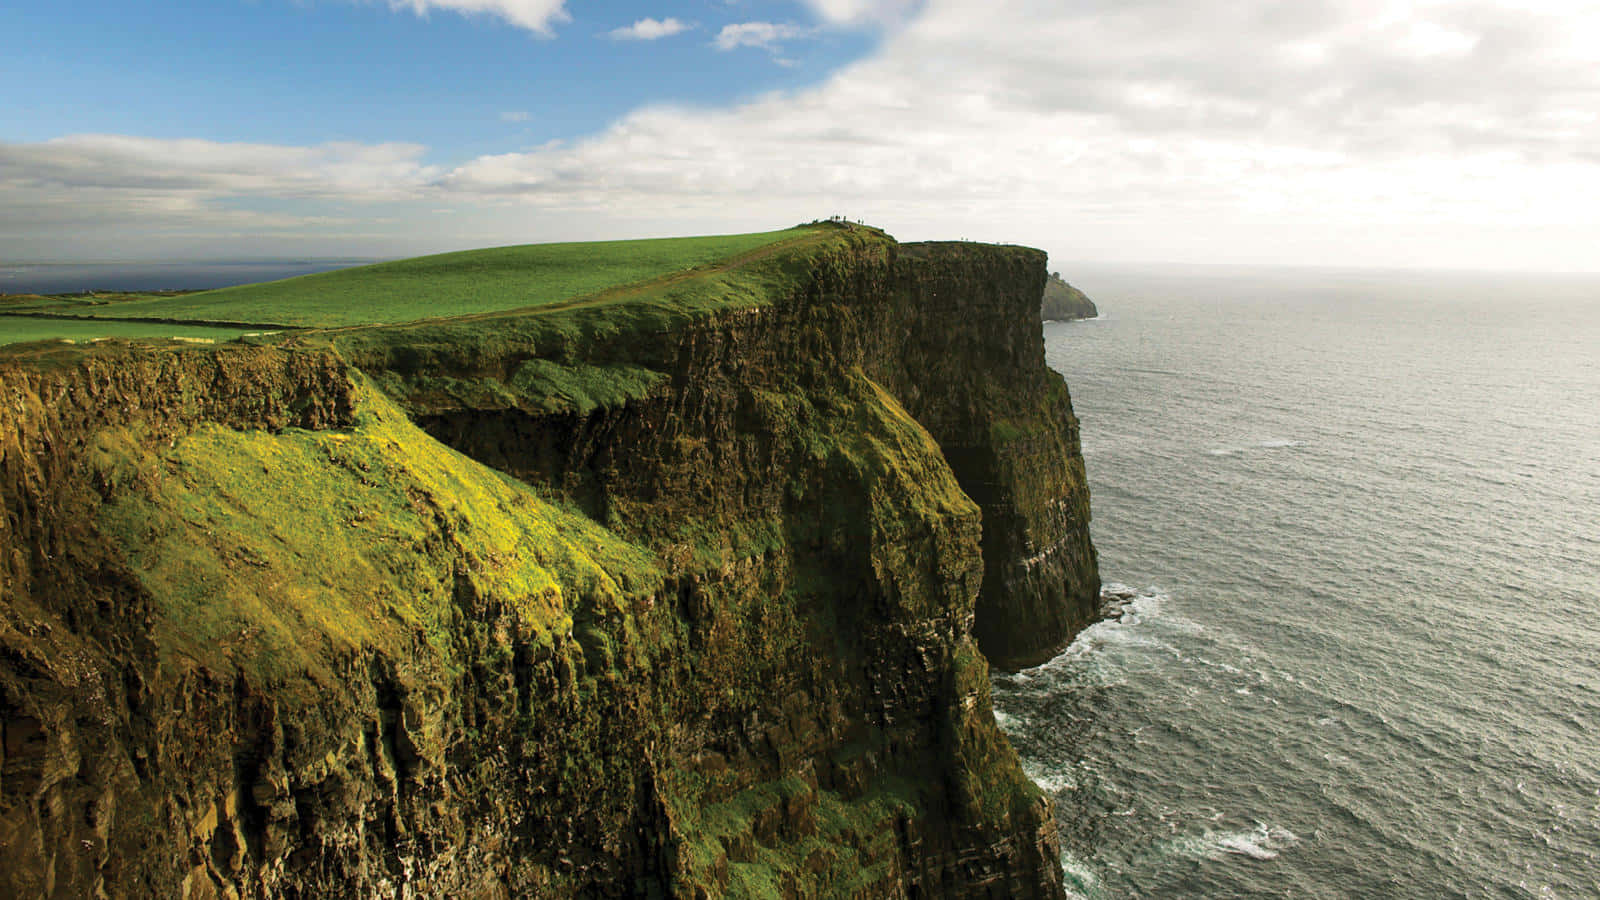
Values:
[(1008, 430), (1063, 302), (683, 608)]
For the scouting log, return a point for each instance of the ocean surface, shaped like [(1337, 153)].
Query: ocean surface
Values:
[(1360, 517), (68, 278)]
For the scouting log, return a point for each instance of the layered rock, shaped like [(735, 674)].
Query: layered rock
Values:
[(687, 610)]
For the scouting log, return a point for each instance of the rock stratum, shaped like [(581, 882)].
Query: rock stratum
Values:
[(628, 598)]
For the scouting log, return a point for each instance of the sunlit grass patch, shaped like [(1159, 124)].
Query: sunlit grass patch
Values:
[(449, 284), (21, 329), (275, 551)]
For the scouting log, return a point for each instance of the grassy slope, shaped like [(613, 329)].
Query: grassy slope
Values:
[(546, 360), (449, 284), (269, 550), (20, 329)]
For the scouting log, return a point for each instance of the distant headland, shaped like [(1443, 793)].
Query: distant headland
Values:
[(1063, 302)]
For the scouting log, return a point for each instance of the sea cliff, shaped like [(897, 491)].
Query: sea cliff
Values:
[(640, 598), (1063, 302)]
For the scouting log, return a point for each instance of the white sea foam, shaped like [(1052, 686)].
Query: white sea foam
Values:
[(1230, 669), (1262, 843), (1133, 611), (1272, 444), (1051, 781), (1082, 882)]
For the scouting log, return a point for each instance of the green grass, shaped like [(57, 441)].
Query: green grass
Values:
[(848, 850), (20, 329), (595, 351), (449, 284), (79, 302), (277, 551)]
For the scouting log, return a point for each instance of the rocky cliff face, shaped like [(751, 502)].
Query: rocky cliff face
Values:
[(683, 608), (1063, 302), (1007, 429)]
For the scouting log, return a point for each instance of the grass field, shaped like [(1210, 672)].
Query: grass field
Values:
[(83, 303), (18, 329), (449, 284), (596, 350)]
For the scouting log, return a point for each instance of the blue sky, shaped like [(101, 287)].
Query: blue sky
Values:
[(310, 72), (1418, 133)]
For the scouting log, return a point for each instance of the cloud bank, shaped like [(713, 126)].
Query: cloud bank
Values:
[(1341, 110), (856, 12), (1178, 129)]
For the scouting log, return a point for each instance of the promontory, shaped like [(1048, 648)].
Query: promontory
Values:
[(634, 569)]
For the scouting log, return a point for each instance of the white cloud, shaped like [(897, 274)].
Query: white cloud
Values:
[(110, 195), (1028, 119), (649, 30), (535, 15), (211, 167), (514, 116), (1332, 131), (856, 12), (765, 35)]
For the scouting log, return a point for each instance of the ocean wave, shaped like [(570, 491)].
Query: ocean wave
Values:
[(1270, 444), (1127, 614), (1121, 604), (1051, 781), (1264, 842), (1082, 882)]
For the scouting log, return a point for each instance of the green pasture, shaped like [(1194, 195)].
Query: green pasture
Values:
[(19, 329), (449, 284)]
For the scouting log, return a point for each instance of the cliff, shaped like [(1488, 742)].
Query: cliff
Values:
[(657, 596), (1063, 302)]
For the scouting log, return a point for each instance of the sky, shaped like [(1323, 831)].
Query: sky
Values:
[(1386, 133)]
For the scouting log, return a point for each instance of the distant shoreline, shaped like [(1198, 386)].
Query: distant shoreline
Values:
[(78, 277)]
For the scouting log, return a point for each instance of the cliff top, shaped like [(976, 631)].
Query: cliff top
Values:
[(495, 281)]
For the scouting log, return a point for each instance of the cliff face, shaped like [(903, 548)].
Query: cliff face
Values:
[(682, 616), (1007, 429), (1063, 302)]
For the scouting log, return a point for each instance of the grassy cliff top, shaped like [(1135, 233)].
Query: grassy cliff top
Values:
[(449, 284), (465, 287)]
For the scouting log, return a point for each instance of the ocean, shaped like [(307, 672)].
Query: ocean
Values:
[(1356, 520), (71, 278)]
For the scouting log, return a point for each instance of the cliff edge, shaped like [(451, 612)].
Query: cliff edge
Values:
[(670, 591)]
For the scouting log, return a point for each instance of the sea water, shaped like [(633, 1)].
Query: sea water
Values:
[(70, 278), (1354, 520)]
